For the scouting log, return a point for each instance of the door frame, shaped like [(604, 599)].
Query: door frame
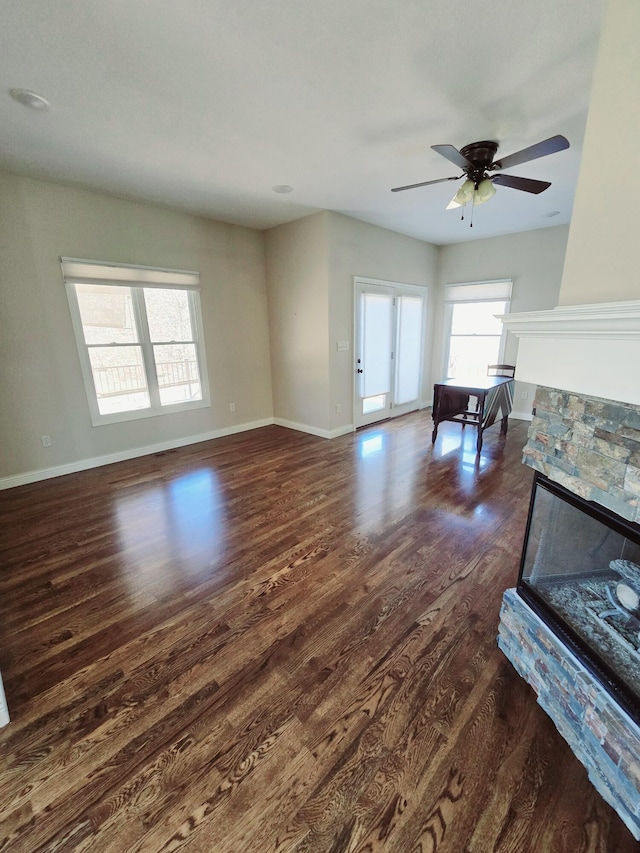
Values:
[(399, 289)]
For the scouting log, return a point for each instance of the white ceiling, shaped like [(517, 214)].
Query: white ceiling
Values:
[(205, 105)]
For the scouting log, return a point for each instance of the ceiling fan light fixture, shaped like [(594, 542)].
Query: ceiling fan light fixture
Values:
[(465, 193), (485, 191), (478, 160)]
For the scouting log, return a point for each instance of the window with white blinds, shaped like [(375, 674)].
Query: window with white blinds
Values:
[(139, 336), (473, 337)]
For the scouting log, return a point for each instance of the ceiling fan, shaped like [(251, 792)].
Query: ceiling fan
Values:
[(477, 161)]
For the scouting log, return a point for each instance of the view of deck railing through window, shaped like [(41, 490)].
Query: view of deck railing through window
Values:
[(127, 382)]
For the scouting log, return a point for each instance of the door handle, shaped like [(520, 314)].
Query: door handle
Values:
[(360, 370)]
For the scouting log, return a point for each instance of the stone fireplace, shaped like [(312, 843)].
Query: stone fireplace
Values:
[(584, 438), (583, 355)]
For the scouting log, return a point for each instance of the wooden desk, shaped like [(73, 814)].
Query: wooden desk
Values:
[(451, 403)]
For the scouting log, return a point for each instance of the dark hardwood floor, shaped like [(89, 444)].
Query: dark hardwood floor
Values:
[(274, 642)]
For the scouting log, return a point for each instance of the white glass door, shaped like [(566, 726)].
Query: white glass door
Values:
[(389, 347), (374, 352), (408, 352)]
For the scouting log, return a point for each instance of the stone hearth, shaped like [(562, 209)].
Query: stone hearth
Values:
[(601, 735)]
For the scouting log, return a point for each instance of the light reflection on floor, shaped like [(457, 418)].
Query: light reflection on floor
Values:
[(385, 486), (386, 490), (188, 533), (371, 444), (464, 442), (461, 444)]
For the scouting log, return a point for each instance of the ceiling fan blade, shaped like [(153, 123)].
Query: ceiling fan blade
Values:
[(541, 149), (425, 184), (453, 155), (526, 184)]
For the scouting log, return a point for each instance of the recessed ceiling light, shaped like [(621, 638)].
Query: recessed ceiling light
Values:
[(282, 188), (29, 99), (551, 213)]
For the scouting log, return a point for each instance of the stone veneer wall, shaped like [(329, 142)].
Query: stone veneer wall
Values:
[(588, 445), (591, 446), (599, 732)]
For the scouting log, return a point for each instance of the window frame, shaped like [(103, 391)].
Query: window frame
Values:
[(500, 290), (148, 278)]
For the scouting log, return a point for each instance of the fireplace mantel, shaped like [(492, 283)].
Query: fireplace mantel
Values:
[(586, 349)]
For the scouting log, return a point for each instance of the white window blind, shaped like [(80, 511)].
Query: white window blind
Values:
[(478, 291), (78, 271)]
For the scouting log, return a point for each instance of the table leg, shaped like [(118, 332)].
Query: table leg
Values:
[(481, 402)]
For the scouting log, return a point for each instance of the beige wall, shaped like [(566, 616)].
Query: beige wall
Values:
[(274, 308), (603, 252), (533, 259), (296, 263), (359, 249), (43, 392), (311, 264)]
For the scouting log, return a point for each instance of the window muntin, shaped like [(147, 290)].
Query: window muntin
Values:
[(141, 347)]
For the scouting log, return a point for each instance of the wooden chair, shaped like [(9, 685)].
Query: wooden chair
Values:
[(507, 370)]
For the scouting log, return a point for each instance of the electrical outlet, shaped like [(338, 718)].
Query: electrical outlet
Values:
[(46, 440), (232, 407), (524, 395), (338, 408)]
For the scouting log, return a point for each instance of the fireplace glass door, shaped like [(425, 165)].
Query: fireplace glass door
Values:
[(580, 572)]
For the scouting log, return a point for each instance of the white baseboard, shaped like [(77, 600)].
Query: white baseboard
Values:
[(343, 430), (522, 416), (133, 453), (311, 430), (123, 455)]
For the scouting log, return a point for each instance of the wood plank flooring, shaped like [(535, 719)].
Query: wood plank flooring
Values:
[(274, 642)]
